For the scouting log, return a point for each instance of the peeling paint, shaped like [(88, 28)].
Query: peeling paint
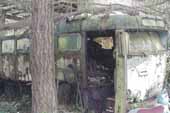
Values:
[(16, 65), (23, 68), (147, 73)]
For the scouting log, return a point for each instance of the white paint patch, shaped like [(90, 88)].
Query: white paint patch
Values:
[(146, 74)]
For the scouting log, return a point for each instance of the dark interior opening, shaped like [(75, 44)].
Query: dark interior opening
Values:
[(100, 70)]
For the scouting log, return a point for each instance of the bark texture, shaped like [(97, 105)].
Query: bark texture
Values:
[(42, 58)]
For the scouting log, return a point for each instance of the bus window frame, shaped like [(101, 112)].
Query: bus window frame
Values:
[(67, 35), (18, 51), (7, 39)]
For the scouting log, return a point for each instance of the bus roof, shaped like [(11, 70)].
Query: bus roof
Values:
[(89, 22)]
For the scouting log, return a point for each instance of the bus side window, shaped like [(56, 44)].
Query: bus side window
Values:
[(23, 45), (8, 46), (69, 42)]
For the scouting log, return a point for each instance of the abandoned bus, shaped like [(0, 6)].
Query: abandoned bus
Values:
[(106, 62)]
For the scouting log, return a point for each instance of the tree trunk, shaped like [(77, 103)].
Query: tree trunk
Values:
[(42, 58)]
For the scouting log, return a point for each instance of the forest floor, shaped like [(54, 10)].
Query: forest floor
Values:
[(22, 104)]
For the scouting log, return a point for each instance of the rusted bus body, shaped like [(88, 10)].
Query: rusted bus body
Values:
[(102, 55), (138, 59)]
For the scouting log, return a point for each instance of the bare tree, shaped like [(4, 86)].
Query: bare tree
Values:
[(42, 58)]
